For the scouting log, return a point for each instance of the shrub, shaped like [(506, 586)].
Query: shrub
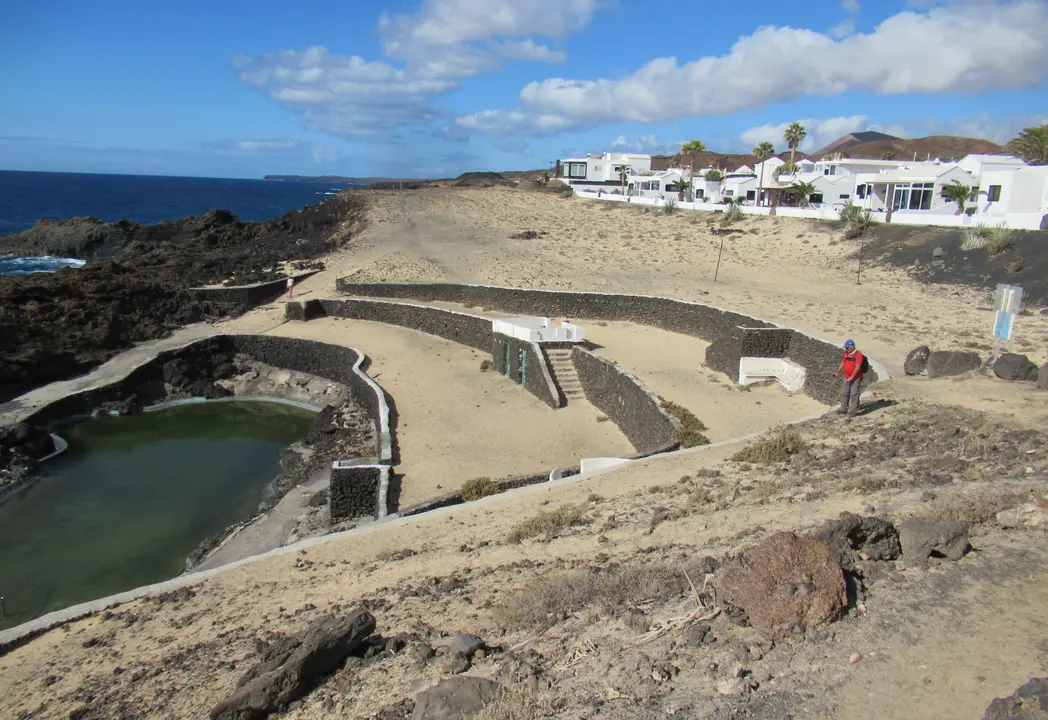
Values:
[(548, 523), (670, 207), (734, 213), (848, 213), (977, 507), (1000, 240), (779, 447), (478, 487), (714, 175), (690, 432), (975, 237), (486, 365)]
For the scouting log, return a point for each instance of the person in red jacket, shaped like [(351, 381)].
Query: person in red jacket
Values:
[(851, 366)]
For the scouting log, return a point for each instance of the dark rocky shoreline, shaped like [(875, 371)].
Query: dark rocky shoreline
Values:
[(136, 284)]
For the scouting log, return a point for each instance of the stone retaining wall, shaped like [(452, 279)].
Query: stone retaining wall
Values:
[(538, 380), (630, 405), (503, 484), (470, 330), (731, 335), (248, 296), (357, 491)]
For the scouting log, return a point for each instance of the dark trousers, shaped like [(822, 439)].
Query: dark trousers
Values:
[(850, 392)]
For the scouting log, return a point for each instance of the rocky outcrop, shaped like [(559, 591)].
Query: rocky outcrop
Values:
[(21, 446), (135, 287), (783, 585), (1030, 702), (290, 668)]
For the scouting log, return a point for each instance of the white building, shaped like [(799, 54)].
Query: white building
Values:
[(660, 184), (603, 169)]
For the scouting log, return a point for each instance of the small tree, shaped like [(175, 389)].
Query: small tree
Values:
[(714, 175), (691, 149), (624, 173), (762, 152), (802, 191), (957, 192), (785, 169), (683, 187), (794, 136), (1031, 145), (545, 178), (888, 155)]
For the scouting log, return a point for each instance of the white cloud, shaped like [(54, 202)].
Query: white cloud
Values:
[(843, 29), (648, 144), (963, 48), (429, 53), (819, 132), (252, 145), (995, 129), (851, 6)]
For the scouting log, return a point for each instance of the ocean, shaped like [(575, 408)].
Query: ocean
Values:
[(26, 197)]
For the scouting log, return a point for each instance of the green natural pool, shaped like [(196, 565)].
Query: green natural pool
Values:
[(133, 496)]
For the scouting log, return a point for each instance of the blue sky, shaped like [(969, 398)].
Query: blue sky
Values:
[(409, 88)]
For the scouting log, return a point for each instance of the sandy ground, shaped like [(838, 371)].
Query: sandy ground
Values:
[(937, 643), (457, 422)]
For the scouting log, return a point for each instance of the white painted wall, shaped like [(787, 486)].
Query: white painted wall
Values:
[(538, 329)]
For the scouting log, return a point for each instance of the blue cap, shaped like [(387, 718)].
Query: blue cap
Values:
[(849, 343)]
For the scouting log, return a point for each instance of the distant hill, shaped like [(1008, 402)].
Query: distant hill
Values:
[(334, 179), (850, 140), (867, 145), (944, 147)]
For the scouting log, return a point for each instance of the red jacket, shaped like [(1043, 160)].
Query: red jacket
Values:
[(852, 365)]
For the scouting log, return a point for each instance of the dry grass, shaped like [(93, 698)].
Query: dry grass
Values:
[(522, 701), (548, 523), (615, 591), (778, 447), (975, 507), (478, 487), (486, 365)]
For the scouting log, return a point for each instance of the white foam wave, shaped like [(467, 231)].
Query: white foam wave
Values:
[(16, 265)]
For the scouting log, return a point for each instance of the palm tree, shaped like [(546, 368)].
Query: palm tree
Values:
[(794, 136), (682, 187), (888, 155), (803, 191), (1031, 145), (957, 192), (762, 152), (692, 148), (624, 172)]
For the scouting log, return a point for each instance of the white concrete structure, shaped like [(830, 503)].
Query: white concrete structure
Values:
[(661, 184), (600, 463), (789, 374), (603, 169), (539, 329)]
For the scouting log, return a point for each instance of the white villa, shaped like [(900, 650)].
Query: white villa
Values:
[(1004, 188)]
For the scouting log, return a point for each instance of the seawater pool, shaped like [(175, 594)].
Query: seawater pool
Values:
[(133, 496)]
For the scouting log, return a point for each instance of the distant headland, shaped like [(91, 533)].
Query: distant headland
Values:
[(337, 179)]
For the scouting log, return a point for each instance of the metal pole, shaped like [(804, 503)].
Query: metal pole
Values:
[(717, 271)]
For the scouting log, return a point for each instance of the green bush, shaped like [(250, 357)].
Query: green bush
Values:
[(778, 447), (691, 430), (1000, 240)]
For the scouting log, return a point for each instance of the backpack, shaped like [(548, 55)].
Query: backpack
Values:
[(865, 365)]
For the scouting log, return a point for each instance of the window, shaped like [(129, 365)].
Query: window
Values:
[(751, 194), (831, 170), (577, 170), (860, 191), (913, 196), (815, 198), (729, 193), (844, 196), (701, 193), (671, 187), (994, 193)]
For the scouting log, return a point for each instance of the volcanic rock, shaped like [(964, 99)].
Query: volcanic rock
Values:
[(922, 536), (455, 698), (916, 360), (872, 537), (1012, 366), (1029, 702), (289, 669), (949, 362)]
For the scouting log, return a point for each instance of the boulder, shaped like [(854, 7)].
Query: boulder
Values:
[(870, 537), (916, 360), (922, 536), (455, 698), (291, 668), (950, 362), (783, 584), (1042, 377), (467, 644), (1012, 366), (1029, 702)]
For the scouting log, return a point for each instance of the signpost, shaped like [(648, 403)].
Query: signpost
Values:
[(1008, 303)]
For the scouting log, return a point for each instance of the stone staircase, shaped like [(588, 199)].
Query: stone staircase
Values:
[(564, 373)]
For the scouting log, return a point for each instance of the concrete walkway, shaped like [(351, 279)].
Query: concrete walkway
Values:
[(270, 530), (114, 369)]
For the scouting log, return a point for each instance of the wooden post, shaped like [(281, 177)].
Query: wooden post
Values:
[(717, 271), (858, 273)]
